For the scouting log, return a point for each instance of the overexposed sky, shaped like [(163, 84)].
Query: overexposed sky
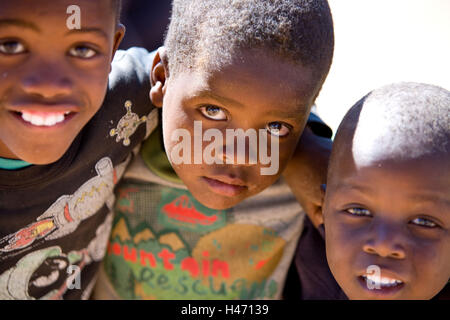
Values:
[(378, 42)]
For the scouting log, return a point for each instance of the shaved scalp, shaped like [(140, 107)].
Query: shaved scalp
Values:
[(206, 33), (400, 121)]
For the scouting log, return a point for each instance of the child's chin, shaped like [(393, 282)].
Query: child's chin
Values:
[(43, 158), (217, 202)]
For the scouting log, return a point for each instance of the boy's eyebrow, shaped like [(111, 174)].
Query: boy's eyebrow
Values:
[(431, 198), (98, 31), (294, 115), (209, 94), (276, 113), (32, 26), (352, 187), (19, 23)]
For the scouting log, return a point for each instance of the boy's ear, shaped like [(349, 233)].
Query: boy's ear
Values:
[(118, 37), (317, 216), (158, 77)]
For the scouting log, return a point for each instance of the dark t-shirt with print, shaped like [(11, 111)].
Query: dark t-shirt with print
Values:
[(55, 219)]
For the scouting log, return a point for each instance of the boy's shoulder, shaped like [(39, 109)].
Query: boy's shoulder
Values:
[(129, 80), (310, 277), (127, 106), (132, 65)]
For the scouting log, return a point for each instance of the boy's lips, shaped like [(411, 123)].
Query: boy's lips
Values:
[(229, 187), (385, 285)]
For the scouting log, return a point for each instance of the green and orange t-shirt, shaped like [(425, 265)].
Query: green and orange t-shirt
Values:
[(164, 244)]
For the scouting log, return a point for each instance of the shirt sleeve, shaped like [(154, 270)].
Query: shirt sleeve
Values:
[(317, 125), (129, 83), (131, 66)]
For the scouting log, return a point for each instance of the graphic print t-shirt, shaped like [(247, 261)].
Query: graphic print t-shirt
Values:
[(55, 219), (166, 245)]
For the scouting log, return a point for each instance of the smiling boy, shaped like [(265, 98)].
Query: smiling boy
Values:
[(386, 213), (388, 195), (52, 88), (197, 230), (59, 161)]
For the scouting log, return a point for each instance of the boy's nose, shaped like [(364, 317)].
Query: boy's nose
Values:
[(239, 154), (235, 158), (385, 242), (47, 84)]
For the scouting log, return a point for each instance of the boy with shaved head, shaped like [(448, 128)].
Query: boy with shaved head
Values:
[(386, 214)]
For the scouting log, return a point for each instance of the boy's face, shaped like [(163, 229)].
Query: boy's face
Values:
[(394, 215), (52, 79), (255, 91)]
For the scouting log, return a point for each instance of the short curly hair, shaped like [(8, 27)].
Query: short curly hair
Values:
[(209, 31)]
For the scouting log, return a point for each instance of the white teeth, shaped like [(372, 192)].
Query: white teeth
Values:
[(43, 120), (37, 120), (49, 121), (382, 281), (26, 117)]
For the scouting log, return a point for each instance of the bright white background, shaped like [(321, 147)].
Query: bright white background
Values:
[(378, 42)]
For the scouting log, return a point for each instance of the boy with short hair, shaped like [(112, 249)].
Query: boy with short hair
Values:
[(386, 214), (58, 162), (179, 232), (64, 144)]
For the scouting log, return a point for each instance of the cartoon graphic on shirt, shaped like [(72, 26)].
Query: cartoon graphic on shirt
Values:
[(155, 260), (64, 216), (127, 125), (16, 282), (48, 269), (180, 211), (28, 235)]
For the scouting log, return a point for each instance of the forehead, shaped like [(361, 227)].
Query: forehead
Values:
[(43, 14), (255, 78), (426, 178)]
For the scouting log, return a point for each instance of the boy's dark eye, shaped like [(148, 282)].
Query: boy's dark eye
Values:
[(12, 47), (213, 113), (423, 222), (359, 212), (278, 129), (83, 52)]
